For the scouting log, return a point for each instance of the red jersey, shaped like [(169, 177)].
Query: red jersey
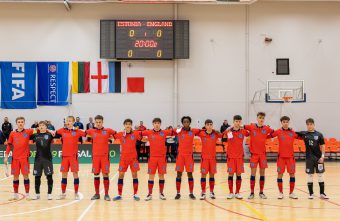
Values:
[(258, 137), (286, 141), (157, 141), (128, 143), (209, 143), (20, 142), (141, 128), (186, 139), (70, 141), (235, 144), (100, 140)]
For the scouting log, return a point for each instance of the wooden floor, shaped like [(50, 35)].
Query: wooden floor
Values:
[(184, 209)]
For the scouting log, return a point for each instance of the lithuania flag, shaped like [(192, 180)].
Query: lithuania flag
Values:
[(80, 77)]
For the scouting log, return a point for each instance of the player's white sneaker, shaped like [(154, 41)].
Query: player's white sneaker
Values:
[(212, 195), (62, 196), (311, 196), (49, 197), (15, 197), (293, 196), (76, 196), (324, 196), (238, 196), (203, 196), (162, 197), (280, 196), (36, 197), (136, 197), (251, 196), (27, 196), (262, 196), (230, 196), (148, 197)]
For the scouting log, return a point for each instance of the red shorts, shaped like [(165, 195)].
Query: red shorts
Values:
[(258, 159), (125, 163), (208, 166), (235, 165), (285, 162), (185, 161), (157, 163), (18, 165), (100, 164), (69, 163)]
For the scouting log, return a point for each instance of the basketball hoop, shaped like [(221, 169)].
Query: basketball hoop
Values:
[(287, 99)]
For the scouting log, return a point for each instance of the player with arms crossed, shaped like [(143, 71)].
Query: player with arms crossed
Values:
[(128, 157), (70, 137), (19, 140), (101, 159), (235, 155), (157, 160), (185, 158), (286, 160), (315, 155), (209, 138)]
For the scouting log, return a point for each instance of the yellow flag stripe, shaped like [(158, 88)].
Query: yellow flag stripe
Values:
[(74, 77)]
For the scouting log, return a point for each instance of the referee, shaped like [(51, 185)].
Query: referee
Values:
[(315, 155), (43, 159)]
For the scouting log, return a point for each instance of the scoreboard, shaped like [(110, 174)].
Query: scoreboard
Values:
[(144, 39)]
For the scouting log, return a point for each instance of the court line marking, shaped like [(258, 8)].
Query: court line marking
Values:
[(5, 178), (82, 215), (16, 201), (49, 208), (331, 202)]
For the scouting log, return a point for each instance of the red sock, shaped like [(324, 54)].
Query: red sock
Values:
[(63, 185), (106, 185), (191, 185), (203, 184), (27, 186), (230, 184), (135, 186), (252, 184), (150, 186), (96, 184), (15, 185), (161, 186), (238, 184), (212, 184), (291, 185), (279, 184), (261, 184), (76, 185), (178, 185), (120, 187)]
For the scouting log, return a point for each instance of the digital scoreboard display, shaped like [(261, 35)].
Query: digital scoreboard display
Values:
[(145, 39)]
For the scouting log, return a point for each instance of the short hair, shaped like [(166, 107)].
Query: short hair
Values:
[(127, 121), (157, 120), (19, 118), (284, 118), (186, 117), (99, 117), (261, 114), (208, 121), (43, 122), (71, 117), (237, 117), (310, 121)]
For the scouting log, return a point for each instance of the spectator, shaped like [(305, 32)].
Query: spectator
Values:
[(141, 126), (50, 125), (90, 124), (6, 128), (224, 126), (171, 147), (79, 125), (140, 145), (2, 138), (35, 125)]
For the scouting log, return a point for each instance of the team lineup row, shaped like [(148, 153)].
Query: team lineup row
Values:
[(19, 143)]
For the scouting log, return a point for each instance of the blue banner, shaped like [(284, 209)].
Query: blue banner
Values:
[(18, 85), (53, 83)]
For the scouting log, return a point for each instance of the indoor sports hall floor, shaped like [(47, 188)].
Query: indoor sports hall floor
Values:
[(184, 209)]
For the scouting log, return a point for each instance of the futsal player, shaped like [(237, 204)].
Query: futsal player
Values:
[(19, 141), (69, 162), (128, 157), (100, 152), (185, 158), (286, 160), (157, 160), (315, 157), (257, 148), (235, 156), (209, 138)]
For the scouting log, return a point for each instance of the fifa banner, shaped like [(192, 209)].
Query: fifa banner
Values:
[(84, 153), (18, 85), (53, 83)]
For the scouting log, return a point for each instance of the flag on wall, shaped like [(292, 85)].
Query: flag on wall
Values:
[(133, 77), (80, 77), (115, 76), (18, 85), (135, 84), (53, 83), (99, 77)]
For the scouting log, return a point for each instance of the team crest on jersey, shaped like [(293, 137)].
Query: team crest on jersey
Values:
[(46, 137), (240, 136), (74, 133), (205, 139), (190, 133), (132, 137), (104, 132), (290, 134), (264, 131), (25, 135), (161, 133), (213, 136), (316, 137), (254, 133)]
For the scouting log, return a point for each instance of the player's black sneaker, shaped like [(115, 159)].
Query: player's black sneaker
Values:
[(95, 197), (178, 196), (192, 196)]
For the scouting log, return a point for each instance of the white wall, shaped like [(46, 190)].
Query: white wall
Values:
[(213, 82)]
